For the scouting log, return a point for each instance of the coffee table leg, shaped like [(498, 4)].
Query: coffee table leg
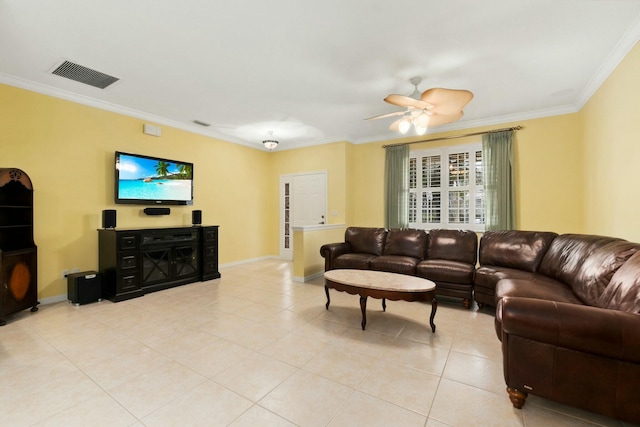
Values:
[(434, 308), (363, 307), (326, 291), (384, 304)]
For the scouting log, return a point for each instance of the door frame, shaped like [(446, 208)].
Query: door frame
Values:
[(287, 253)]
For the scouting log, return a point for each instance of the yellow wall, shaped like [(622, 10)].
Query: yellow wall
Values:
[(68, 151), (612, 153)]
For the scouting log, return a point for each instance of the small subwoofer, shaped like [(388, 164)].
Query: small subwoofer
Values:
[(84, 287), (157, 211), (109, 218), (196, 217)]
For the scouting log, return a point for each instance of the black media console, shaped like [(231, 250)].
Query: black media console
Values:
[(138, 261)]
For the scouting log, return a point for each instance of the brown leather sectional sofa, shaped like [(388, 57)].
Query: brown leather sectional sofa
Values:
[(567, 306)]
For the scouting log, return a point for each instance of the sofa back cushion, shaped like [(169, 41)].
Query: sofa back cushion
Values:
[(520, 250), (411, 243), (623, 292), (586, 263), (365, 240), (453, 245)]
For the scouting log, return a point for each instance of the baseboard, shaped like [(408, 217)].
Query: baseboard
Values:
[(63, 297), (307, 278), (54, 299)]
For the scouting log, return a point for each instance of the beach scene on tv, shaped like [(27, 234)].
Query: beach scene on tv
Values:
[(152, 179)]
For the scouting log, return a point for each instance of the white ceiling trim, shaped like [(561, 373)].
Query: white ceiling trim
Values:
[(622, 48)]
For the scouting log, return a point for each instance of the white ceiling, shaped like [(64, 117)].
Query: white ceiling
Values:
[(311, 71)]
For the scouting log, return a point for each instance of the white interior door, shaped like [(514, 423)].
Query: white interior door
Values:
[(303, 201), (309, 199)]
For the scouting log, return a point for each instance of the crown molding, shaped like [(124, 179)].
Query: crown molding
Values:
[(619, 52), (118, 109)]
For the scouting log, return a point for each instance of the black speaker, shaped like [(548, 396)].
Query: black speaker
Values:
[(109, 218), (84, 287), (196, 217), (157, 211)]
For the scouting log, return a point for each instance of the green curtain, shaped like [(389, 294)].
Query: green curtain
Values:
[(396, 186), (499, 186)]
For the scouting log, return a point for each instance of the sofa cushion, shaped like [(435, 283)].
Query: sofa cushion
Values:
[(623, 292), (395, 264), (410, 243), (365, 240), (488, 275), (542, 288), (520, 250), (351, 260), (453, 245), (441, 270), (586, 263)]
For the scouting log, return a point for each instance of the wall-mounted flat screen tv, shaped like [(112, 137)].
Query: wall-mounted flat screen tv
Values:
[(146, 180)]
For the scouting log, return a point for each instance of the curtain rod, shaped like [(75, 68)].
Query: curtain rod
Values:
[(454, 137)]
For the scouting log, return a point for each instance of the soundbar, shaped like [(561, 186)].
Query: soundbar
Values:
[(157, 211)]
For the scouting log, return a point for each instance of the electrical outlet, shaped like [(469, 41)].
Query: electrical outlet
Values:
[(65, 273)]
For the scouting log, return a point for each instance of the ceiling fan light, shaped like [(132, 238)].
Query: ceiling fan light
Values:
[(420, 130), (422, 120), (404, 126), (270, 144)]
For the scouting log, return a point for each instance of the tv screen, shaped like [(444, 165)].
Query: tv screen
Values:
[(147, 180)]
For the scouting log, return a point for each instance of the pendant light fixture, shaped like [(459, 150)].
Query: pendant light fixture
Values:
[(270, 144)]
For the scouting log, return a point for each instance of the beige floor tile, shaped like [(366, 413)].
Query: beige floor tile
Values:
[(343, 366), (486, 346), (540, 405), (475, 371), (215, 357), (209, 404), (536, 416), (152, 390), (258, 416), (294, 349), (367, 342), (46, 399), (417, 355), (125, 367), (461, 405), (362, 409), (255, 376), (256, 336), (99, 411), (403, 386), (307, 399)]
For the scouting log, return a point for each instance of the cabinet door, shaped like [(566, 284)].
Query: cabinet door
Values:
[(19, 281), (156, 265), (186, 261)]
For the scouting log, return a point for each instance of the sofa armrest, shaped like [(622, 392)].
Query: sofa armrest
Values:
[(608, 333), (331, 251)]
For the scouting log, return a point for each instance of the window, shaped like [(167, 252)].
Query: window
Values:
[(446, 188)]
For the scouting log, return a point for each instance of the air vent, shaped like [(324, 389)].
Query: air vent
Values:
[(84, 75), (198, 122)]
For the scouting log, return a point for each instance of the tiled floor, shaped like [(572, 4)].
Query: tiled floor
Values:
[(257, 349)]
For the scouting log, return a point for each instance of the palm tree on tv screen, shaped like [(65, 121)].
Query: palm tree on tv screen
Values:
[(185, 171), (162, 168)]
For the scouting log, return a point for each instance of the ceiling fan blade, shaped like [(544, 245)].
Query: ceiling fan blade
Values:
[(383, 116), (442, 119), (407, 101), (447, 101)]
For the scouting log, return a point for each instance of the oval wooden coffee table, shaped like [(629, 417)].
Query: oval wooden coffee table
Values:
[(380, 284)]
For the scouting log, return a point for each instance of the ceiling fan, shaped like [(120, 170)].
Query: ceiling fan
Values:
[(433, 107)]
